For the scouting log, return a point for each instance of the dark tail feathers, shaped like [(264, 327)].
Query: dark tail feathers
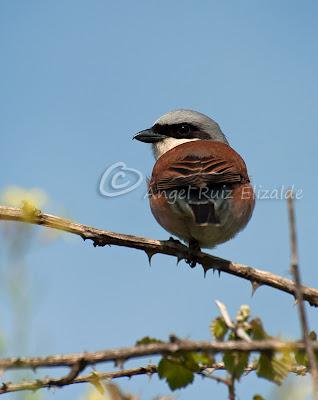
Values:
[(204, 213)]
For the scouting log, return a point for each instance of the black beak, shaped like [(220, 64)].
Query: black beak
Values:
[(149, 136)]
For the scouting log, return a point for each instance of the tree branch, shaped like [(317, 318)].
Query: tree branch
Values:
[(169, 247), (76, 369), (231, 388), (299, 295), (126, 353), (94, 377)]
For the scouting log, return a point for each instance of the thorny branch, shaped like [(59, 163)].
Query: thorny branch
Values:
[(126, 353), (95, 377), (78, 361), (299, 295), (100, 237), (76, 369), (92, 377)]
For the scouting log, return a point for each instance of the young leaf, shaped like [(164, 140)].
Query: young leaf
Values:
[(176, 374), (300, 356), (218, 328), (189, 361), (257, 332), (235, 362), (272, 368), (204, 359), (98, 383), (265, 368), (147, 340)]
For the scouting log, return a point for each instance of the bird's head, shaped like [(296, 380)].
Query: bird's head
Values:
[(177, 127)]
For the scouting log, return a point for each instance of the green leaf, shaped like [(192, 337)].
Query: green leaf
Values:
[(204, 359), (218, 328), (301, 358), (272, 368), (235, 362), (97, 382), (265, 368), (257, 332), (258, 397), (187, 359), (176, 374), (147, 340)]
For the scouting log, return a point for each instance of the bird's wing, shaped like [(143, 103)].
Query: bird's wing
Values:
[(199, 172)]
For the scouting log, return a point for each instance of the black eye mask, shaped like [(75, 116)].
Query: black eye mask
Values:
[(180, 131)]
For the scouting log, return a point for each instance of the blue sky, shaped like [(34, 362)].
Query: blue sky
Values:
[(78, 79)]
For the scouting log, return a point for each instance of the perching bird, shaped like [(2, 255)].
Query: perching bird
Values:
[(199, 190)]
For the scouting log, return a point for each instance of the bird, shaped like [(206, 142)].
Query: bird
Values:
[(199, 190)]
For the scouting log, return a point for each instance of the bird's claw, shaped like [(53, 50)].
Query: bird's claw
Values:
[(191, 261), (194, 248)]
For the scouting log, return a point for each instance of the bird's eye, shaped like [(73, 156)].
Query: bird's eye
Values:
[(183, 129)]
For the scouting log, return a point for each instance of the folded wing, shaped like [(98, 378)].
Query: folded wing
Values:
[(200, 165), (199, 173)]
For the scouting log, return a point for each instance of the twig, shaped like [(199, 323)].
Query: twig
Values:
[(218, 379), (239, 332), (173, 248), (296, 369), (231, 387), (126, 353), (76, 369), (229, 382), (299, 295), (93, 377)]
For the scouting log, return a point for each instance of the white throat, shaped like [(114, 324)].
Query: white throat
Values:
[(167, 144)]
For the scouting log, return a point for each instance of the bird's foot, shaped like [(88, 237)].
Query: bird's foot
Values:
[(194, 248)]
